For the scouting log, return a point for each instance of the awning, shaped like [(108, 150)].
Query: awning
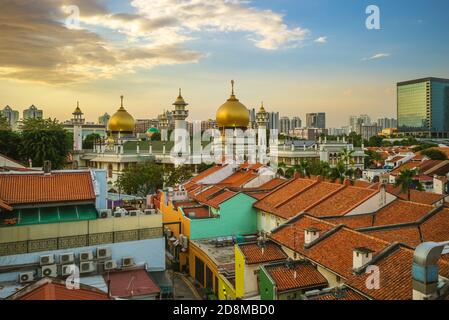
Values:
[(32, 216)]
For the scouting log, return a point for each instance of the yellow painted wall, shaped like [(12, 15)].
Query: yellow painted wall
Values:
[(171, 215), (68, 229), (225, 289), (197, 252), (239, 272)]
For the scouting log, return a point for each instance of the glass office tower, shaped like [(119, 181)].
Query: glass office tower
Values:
[(423, 107)]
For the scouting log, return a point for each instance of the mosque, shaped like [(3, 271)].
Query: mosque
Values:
[(121, 148)]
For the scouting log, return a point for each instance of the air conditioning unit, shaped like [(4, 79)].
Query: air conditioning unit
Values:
[(67, 258), (68, 270), (104, 214), (50, 271), (47, 260), (26, 277), (117, 214), (127, 262), (86, 256), (184, 241), (110, 265), (104, 253), (87, 267), (150, 211), (134, 213)]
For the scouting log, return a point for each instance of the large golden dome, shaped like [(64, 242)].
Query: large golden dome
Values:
[(233, 114), (121, 121)]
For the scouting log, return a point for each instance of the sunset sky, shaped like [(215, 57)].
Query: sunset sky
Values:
[(297, 56)]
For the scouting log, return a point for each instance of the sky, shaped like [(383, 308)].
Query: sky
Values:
[(297, 56)]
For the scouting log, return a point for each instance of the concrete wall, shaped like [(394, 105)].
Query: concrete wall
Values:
[(267, 221)]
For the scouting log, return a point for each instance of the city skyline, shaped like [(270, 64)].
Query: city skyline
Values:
[(291, 55)]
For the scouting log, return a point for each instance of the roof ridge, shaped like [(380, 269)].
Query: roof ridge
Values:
[(326, 197), (383, 254), (297, 193), (324, 236)]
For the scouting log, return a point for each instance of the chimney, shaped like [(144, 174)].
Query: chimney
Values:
[(361, 257), (438, 184), (310, 235), (47, 167), (382, 195)]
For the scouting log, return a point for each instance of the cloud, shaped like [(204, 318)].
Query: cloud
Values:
[(37, 45), (321, 40), (377, 56)]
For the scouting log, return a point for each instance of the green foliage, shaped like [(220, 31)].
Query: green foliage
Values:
[(4, 124), (141, 179), (434, 154), (406, 181), (372, 159), (338, 172), (375, 141), (347, 157), (88, 143), (355, 139), (9, 144), (203, 167), (424, 146), (43, 140), (178, 175)]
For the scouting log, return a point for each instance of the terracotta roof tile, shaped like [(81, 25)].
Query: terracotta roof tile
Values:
[(197, 212), (220, 198), (407, 235), (39, 188), (133, 283), (238, 179), (400, 211), (354, 221), (342, 202), (255, 254), (415, 195), (297, 276), (437, 227), (346, 294)]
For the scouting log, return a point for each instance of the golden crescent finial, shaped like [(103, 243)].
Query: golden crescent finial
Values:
[(121, 98), (232, 85)]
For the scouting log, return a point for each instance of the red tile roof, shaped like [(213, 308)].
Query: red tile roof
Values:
[(255, 254), (273, 183), (407, 235), (206, 173), (54, 289), (238, 179), (354, 221), (298, 276), (342, 202), (197, 213), (400, 211), (220, 198), (415, 195), (436, 228), (346, 294), (133, 283), (297, 196), (38, 188)]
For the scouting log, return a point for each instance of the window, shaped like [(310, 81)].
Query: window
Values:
[(110, 171)]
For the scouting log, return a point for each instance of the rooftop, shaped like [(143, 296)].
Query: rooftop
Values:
[(256, 254), (129, 284)]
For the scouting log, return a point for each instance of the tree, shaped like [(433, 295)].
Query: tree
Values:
[(141, 179), (44, 140), (4, 124), (88, 143), (303, 168), (203, 167), (406, 181), (321, 168), (178, 175), (347, 157), (9, 140), (373, 158), (338, 172), (434, 154), (375, 141)]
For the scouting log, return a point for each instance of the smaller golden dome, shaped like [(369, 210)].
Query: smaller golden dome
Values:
[(121, 121), (262, 109), (180, 100), (232, 114)]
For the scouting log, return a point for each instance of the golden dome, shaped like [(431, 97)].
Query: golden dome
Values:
[(121, 121), (232, 114)]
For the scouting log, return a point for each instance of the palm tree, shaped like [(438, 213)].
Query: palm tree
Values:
[(406, 182), (347, 156), (303, 168), (338, 172)]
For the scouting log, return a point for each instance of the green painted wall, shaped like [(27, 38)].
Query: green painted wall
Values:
[(237, 217), (267, 289)]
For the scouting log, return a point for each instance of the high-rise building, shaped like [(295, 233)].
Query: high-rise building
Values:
[(284, 125), (423, 107), (367, 131), (295, 122), (274, 121), (316, 120), (32, 113), (11, 115), (387, 123), (355, 121)]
